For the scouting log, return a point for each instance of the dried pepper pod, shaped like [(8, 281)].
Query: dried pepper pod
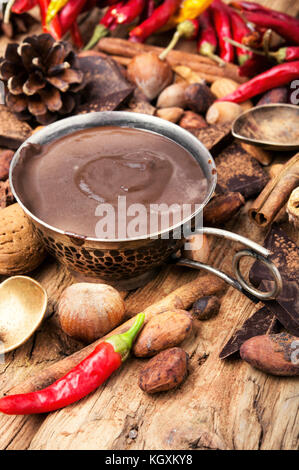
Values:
[(86, 377), (207, 42)]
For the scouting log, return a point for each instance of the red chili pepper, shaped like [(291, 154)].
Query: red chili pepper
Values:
[(287, 30), (106, 24), (54, 28), (80, 381), (256, 65), (109, 17), (286, 54), (21, 6), (129, 11), (156, 21), (240, 30), (207, 41), (76, 36), (258, 8), (223, 29), (115, 15), (69, 13), (150, 8), (275, 77)]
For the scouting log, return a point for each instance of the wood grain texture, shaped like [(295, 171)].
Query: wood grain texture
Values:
[(222, 404)]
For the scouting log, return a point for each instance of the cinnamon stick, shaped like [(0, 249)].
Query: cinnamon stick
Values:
[(181, 298), (275, 194), (203, 65)]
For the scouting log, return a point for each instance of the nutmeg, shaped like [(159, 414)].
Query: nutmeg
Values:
[(150, 73), (166, 371), (88, 311), (199, 97), (21, 251)]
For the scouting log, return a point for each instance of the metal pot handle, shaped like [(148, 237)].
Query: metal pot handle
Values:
[(255, 250)]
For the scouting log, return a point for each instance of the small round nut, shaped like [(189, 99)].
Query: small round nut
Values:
[(293, 207), (88, 311)]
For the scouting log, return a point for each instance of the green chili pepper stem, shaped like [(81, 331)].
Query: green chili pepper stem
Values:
[(207, 50), (242, 46), (186, 29), (100, 31), (175, 38), (242, 59), (279, 55), (122, 343)]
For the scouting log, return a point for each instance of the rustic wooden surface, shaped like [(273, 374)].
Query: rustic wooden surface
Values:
[(222, 404)]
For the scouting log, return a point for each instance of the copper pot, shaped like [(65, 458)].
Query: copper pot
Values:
[(129, 262)]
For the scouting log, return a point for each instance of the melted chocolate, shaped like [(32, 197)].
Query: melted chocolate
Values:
[(65, 181)]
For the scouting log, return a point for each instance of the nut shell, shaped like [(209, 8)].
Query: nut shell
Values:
[(88, 311), (150, 73), (163, 331), (165, 371), (21, 251)]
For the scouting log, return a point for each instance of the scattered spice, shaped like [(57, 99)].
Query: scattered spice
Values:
[(239, 172)]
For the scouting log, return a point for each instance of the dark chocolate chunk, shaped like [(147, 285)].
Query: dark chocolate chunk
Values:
[(285, 254), (239, 172), (106, 87), (13, 132), (214, 137), (261, 322)]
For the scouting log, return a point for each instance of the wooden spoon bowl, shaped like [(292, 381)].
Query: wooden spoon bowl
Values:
[(23, 303), (271, 126)]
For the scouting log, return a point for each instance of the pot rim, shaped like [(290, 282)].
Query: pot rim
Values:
[(145, 122)]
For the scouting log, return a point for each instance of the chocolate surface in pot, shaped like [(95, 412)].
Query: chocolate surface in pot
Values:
[(66, 182)]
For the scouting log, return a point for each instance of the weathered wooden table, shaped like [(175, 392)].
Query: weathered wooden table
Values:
[(222, 404)]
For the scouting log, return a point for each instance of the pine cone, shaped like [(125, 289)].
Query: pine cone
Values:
[(42, 78), (18, 24)]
